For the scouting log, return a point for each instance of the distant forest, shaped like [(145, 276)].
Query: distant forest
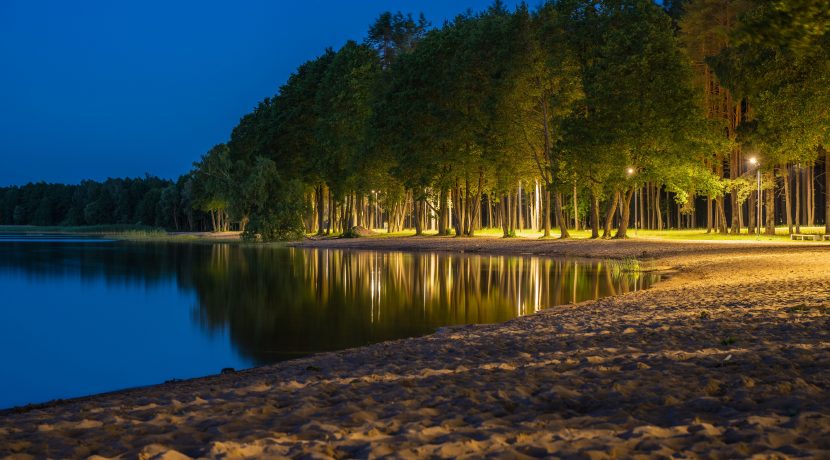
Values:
[(564, 115), (147, 201)]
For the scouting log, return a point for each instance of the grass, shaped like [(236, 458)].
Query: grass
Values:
[(781, 234), (146, 233), (125, 232), (86, 229)]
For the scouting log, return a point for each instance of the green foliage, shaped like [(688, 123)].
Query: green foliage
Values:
[(344, 105), (792, 25), (276, 204), (569, 95), (781, 63), (114, 201)]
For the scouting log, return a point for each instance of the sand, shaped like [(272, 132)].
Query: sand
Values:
[(729, 357)]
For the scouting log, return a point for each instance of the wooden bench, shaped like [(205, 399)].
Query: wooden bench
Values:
[(801, 236)]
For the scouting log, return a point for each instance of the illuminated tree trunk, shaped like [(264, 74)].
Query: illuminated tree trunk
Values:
[(709, 214), (560, 216), (736, 208), (320, 210), (735, 164), (658, 214), (622, 230), (546, 211), (576, 211), (770, 205), (785, 174), (418, 206), (811, 196), (505, 225), (443, 215), (827, 191), (610, 210), (474, 206), (670, 224), (594, 215), (331, 213), (520, 207), (458, 209), (797, 171)]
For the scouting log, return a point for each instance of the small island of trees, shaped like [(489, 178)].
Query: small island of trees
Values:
[(559, 116)]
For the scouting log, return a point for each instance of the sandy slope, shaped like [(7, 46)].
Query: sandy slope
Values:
[(728, 358)]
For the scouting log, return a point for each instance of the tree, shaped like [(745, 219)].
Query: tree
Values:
[(276, 204), (345, 108), (212, 185), (781, 62), (639, 102)]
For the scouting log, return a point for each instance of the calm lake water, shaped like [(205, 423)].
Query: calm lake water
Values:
[(81, 316)]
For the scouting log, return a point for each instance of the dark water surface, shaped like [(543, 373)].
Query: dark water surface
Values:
[(81, 316)]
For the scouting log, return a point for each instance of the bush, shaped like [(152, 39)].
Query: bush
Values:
[(277, 205)]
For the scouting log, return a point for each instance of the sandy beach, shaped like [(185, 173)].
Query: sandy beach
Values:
[(728, 357)]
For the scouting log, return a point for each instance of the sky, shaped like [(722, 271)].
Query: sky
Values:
[(96, 88)]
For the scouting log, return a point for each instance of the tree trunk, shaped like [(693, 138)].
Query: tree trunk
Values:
[(576, 211), (594, 215), (798, 199), (827, 191), (505, 226), (610, 210), (658, 214), (785, 173), (622, 230), (709, 214), (560, 216), (320, 209), (442, 212), (546, 211), (769, 228), (418, 205), (458, 209), (475, 206)]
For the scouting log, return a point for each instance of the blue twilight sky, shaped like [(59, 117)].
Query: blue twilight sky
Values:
[(97, 89)]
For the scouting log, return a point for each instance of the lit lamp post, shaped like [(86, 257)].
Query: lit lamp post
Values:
[(754, 162), (631, 172)]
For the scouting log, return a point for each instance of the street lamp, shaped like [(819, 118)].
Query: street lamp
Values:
[(631, 172), (754, 162)]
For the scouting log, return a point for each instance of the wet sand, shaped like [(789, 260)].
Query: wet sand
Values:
[(729, 357)]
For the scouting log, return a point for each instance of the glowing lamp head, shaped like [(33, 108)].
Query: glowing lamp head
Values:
[(630, 171), (753, 161)]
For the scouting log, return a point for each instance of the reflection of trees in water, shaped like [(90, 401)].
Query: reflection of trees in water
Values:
[(142, 264), (279, 303)]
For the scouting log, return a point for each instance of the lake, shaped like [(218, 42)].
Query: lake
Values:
[(80, 315)]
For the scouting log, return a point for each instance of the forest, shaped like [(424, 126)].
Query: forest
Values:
[(577, 114)]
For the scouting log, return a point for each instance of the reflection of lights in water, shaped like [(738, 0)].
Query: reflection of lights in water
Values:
[(536, 285), (322, 297)]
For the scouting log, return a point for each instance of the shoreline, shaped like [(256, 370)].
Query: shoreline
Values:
[(398, 244), (643, 249), (541, 380)]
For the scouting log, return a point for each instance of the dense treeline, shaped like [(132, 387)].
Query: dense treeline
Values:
[(147, 201), (579, 114), (562, 116)]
